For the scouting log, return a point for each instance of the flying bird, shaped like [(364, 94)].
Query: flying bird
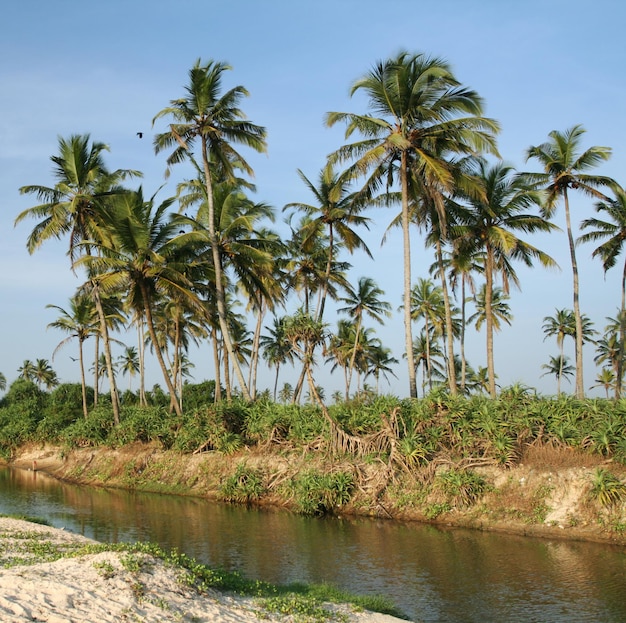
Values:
[(140, 134)]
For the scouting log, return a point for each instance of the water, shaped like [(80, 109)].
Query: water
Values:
[(434, 575)]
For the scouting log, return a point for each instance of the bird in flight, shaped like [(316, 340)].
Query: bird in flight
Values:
[(140, 134)]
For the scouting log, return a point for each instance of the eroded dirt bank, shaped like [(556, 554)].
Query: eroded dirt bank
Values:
[(548, 495)]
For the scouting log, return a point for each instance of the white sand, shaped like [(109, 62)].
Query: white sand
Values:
[(105, 588)]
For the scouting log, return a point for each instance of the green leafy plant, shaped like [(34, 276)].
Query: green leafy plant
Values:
[(606, 488), (244, 486)]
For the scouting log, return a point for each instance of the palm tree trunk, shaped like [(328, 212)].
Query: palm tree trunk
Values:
[(353, 357), (329, 265), (142, 361), (406, 239), (157, 351), (217, 265), (96, 371), (489, 321), (580, 387), (449, 329), (104, 331), (622, 332), (217, 368), (254, 358), (462, 337), (83, 382)]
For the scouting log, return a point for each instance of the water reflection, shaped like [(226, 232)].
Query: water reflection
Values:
[(435, 575)]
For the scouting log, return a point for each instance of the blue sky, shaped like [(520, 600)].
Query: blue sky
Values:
[(106, 68)]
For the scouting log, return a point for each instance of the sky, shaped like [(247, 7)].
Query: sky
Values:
[(106, 68)]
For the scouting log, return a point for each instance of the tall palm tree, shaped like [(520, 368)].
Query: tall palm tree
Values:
[(495, 217), (613, 233), (247, 251), (564, 168), (424, 116), (362, 301), (338, 211), (84, 186), (216, 121), (463, 260), (80, 322)]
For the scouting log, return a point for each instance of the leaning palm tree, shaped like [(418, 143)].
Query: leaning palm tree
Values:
[(338, 212), (496, 216), (613, 233), (423, 115), (146, 257), (362, 301), (564, 167), (80, 322), (84, 186), (216, 121)]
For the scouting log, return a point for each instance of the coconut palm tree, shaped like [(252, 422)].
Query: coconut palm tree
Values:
[(609, 351), (304, 334), (496, 215), (363, 301), (606, 380), (562, 324), (276, 348), (380, 361), (27, 370), (84, 186), (559, 367), (129, 363), (43, 374), (460, 264), (338, 212), (3, 382), (146, 257), (613, 233), (213, 118), (565, 167), (427, 303), (80, 322), (424, 115)]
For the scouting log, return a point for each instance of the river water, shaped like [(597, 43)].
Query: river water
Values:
[(434, 575)]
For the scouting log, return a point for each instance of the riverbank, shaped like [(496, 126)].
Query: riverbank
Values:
[(547, 495), (72, 585)]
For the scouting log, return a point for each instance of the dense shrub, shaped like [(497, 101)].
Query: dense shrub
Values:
[(244, 486), (316, 493)]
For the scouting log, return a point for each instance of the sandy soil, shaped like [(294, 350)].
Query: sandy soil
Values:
[(101, 588)]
